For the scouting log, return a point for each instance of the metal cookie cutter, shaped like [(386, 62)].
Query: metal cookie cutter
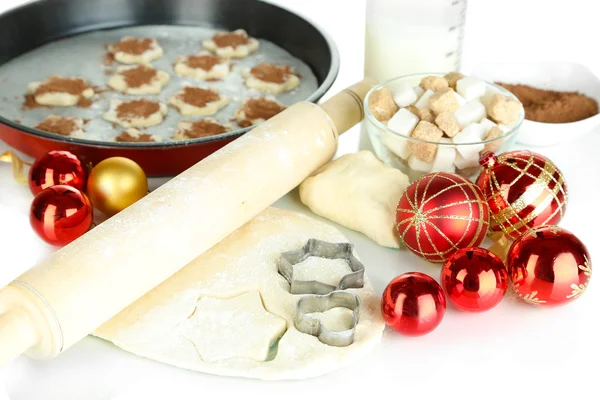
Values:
[(319, 248), (320, 303)]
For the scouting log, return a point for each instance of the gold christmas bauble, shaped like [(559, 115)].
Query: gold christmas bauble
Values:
[(116, 183)]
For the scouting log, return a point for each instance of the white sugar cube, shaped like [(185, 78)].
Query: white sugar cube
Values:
[(417, 165), (461, 100), (396, 144), (403, 122), (423, 101), (487, 96), (462, 162), (444, 159), (404, 94), (470, 87), (419, 91), (470, 134), (471, 112), (488, 124)]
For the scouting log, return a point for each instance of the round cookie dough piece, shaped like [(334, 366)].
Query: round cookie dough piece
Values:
[(132, 50), (136, 113), (58, 90), (132, 135), (198, 101), (139, 79), (271, 78), (64, 126), (197, 129), (203, 66), (256, 110), (236, 44), (173, 323)]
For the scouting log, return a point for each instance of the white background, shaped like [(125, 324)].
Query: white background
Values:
[(512, 351)]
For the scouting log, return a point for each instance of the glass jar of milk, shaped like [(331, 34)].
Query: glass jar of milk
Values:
[(413, 36)]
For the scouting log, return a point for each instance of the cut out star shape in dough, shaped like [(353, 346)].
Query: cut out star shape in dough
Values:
[(238, 327)]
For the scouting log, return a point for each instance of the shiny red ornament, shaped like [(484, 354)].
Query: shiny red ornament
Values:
[(56, 168), (474, 279), (60, 214), (413, 304), (523, 189), (549, 266), (440, 214)]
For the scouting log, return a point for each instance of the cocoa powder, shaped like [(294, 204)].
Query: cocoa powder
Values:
[(59, 84), (138, 76), (230, 39), (203, 128), (267, 72), (262, 108), (553, 106), (198, 97), (141, 138), (205, 61), (59, 125), (30, 103), (137, 109), (135, 46)]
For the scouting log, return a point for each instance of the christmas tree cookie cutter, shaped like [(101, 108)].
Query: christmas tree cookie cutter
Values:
[(320, 303), (321, 249)]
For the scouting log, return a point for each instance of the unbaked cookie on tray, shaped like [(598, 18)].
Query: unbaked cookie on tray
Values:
[(132, 135), (236, 44), (256, 110), (271, 78), (139, 79), (58, 90), (199, 129), (203, 66), (64, 126), (132, 50), (198, 101), (136, 113)]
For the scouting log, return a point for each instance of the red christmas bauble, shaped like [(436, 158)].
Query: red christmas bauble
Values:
[(440, 214), (549, 266), (523, 190), (413, 304), (60, 214), (474, 279), (56, 168)]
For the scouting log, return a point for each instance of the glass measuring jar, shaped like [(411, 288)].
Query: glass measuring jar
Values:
[(413, 36)]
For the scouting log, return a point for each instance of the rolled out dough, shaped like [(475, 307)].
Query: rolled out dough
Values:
[(164, 324)]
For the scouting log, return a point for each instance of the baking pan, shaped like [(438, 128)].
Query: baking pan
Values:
[(32, 25)]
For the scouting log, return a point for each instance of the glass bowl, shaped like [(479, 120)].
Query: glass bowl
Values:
[(391, 147)]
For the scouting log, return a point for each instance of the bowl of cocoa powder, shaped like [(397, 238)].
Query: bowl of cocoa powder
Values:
[(560, 99)]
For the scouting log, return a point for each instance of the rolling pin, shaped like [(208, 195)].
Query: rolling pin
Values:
[(61, 300)]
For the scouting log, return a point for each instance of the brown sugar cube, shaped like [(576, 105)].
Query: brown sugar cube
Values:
[(382, 104), (452, 78), (433, 83), (425, 131), (447, 123), (413, 110), (503, 109), (494, 146), (425, 114), (443, 101)]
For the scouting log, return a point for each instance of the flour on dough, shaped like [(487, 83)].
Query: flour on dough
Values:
[(136, 113), (198, 101), (139, 79), (359, 192), (329, 271), (271, 78), (162, 325), (132, 50), (236, 44), (58, 90), (203, 66)]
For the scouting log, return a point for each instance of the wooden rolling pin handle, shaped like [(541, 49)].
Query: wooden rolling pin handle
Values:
[(346, 108), (17, 334)]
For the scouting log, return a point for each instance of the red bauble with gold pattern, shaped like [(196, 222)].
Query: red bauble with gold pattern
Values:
[(440, 214), (549, 266), (523, 189), (413, 304), (474, 279), (60, 214), (56, 168)]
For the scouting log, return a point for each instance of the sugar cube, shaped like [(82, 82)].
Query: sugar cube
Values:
[(470, 87), (418, 165), (471, 112), (382, 105), (396, 144), (419, 91), (488, 124), (461, 100), (425, 114), (504, 109), (404, 94), (489, 92), (444, 159), (470, 134), (452, 78), (462, 162), (434, 83), (447, 123), (423, 101), (429, 132), (494, 146), (443, 101), (403, 122)]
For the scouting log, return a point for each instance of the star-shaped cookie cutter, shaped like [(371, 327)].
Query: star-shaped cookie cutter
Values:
[(320, 303), (319, 248)]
